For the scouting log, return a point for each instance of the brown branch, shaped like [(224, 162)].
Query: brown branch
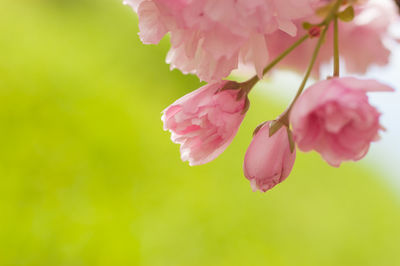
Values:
[(398, 3)]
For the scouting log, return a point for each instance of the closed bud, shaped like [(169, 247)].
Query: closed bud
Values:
[(269, 159), (205, 121)]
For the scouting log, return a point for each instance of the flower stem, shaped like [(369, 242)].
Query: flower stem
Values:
[(333, 13), (285, 53), (311, 65), (336, 63), (284, 119), (251, 82)]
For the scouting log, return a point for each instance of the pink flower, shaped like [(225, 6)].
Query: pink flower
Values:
[(205, 121), (335, 118), (209, 37), (361, 42), (268, 160)]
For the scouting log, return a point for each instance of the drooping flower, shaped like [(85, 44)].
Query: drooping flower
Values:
[(269, 159), (205, 121), (362, 42), (209, 38), (335, 118)]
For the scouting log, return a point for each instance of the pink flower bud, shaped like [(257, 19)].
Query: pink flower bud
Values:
[(335, 118), (205, 121), (268, 160)]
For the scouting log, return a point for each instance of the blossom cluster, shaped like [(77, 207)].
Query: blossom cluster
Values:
[(208, 37), (211, 38)]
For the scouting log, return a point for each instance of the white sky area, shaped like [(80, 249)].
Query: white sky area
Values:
[(387, 151), (385, 154)]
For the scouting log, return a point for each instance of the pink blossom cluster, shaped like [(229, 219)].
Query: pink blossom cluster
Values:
[(332, 117), (209, 37), (362, 41)]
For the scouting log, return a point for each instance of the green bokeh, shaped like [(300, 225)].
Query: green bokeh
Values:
[(89, 178)]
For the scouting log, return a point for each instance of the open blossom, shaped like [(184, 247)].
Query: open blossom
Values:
[(205, 121), (268, 160), (335, 118), (209, 37), (362, 42)]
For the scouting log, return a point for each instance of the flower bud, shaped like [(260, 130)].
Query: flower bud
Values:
[(205, 121), (269, 159)]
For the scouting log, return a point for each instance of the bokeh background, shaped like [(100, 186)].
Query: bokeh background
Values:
[(88, 177)]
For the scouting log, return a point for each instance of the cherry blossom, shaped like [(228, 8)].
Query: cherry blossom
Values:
[(205, 121), (209, 38), (335, 118)]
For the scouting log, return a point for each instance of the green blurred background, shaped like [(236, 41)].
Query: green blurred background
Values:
[(88, 177)]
